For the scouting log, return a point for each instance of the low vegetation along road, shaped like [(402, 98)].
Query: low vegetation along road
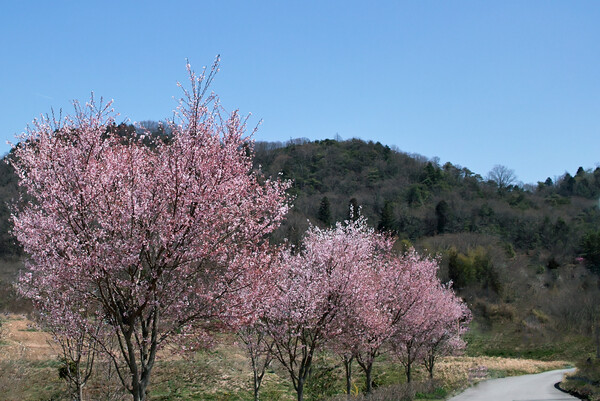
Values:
[(538, 387)]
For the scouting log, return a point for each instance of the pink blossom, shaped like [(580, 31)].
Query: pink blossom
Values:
[(155, 236)]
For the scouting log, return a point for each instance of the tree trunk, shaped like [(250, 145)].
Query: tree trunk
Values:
[(300, 389), (78, 383), (348, 367), (140, 385), (139, 394), (255, 377), (409, 361), (367, 367), (597, 341), (430, 363), (138, 389), (369, 378)]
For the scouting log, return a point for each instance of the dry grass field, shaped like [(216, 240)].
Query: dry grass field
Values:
[(29, 366), (22, 339)]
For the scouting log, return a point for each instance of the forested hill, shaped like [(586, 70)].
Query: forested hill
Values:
[(418, 198)]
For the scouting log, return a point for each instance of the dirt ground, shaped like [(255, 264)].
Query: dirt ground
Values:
[(22, 339)]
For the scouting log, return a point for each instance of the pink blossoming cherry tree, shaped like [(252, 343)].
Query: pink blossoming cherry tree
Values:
[(155, 235), (432, 328), (318, 285)]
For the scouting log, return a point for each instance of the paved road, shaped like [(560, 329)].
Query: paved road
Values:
[(538, 387)]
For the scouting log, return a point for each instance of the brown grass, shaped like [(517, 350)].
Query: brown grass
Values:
[(28, 369), (23, 340), (459, 372)]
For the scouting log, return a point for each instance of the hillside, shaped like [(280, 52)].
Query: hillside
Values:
[(525, 259)]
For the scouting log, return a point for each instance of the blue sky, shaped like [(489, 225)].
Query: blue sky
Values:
[(476, 83)]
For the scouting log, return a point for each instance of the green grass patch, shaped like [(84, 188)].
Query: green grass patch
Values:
[(585, 382), (439, 393), (509, 342)]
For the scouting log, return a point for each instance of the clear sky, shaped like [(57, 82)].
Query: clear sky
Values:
[(476, 83)]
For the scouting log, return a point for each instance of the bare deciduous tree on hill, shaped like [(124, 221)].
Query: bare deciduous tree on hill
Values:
[(502, 176)]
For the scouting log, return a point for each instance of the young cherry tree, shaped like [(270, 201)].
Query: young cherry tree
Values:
[(155, 234), (444, 336), (432, 326), (74, 331), (316, 284), (252, 330), (259, 348), (397, 285), (359, 321)]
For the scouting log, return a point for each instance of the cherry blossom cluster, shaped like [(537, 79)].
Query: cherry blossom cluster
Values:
[(154, 236), (348, 290)]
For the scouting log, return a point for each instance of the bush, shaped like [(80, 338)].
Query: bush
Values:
[(323, 382), (474, 267)]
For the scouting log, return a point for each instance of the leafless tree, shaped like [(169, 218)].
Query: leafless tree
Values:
[(502, 176)]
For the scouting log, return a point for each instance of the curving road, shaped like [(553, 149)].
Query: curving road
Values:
[(538, 387)]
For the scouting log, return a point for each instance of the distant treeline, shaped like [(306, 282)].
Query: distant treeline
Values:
[(416, 198)]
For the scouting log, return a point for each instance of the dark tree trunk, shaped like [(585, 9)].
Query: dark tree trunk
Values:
[(256, 389), (369, 378), (367, 367), (409, 361), (597, 341), (300, 390), (348, 367), (430, 363)]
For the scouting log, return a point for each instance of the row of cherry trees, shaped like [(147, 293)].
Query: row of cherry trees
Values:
[(135, 242), (346, 290)]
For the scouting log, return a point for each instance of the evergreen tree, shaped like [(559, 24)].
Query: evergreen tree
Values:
[(387, 222), (442, 212), (324, 214), (590, 246), (567, 185)]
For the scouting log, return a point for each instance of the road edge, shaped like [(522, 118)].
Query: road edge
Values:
[(570, 392)]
